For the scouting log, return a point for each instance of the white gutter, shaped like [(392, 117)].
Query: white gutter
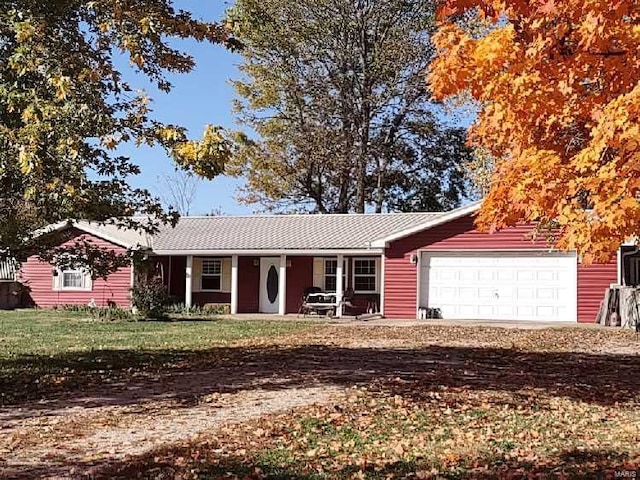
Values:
[(267, 253), (441, 219)]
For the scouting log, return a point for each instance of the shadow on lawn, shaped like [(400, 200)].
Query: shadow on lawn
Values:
[(176, 463), (110, 377)]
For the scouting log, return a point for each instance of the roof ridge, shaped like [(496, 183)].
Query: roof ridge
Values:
[(308, 215)]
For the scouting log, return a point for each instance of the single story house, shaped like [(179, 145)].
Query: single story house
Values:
[(396, 263)]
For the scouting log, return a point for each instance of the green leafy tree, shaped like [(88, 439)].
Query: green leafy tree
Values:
[(65, 108), (335, 91)]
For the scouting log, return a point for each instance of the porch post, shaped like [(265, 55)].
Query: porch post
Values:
[(234, 284), (339, 285), (187, 286), (282, 287)]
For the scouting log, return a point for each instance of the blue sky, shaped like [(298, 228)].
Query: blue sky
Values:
[(203, 97), (199, 98)]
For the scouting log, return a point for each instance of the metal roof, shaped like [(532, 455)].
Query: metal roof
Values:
[(285, 232), (274, 233)]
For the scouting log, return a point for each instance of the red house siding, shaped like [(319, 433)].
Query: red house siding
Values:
[(248, 285), (592, 282), (299, 277), (202, 298), (400, 277), (38, 276)]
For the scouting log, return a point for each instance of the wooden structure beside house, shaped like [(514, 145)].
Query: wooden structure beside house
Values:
[(399, 262)]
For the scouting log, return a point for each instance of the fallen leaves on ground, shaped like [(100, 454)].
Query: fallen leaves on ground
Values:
[(431, 401)]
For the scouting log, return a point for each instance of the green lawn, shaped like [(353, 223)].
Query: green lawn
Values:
[(41, 350)]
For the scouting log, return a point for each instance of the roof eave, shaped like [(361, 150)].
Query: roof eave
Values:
[(272, 252), (440, 220), (83, 226)]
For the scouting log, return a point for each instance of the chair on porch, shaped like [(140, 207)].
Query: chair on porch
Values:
[(305, 308), (347, 302)]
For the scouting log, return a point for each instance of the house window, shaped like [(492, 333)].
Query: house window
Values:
[(330, 270), (364, 275), (211, 274), (73, 279)]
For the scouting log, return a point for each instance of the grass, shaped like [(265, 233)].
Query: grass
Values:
[(425, 402), (38, 348)]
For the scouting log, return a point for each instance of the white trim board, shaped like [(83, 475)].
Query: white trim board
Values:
[(272, 253), (444, 218)]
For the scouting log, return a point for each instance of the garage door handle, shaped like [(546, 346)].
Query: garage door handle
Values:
[(495, 294)]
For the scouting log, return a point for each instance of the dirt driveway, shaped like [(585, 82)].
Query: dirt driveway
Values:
[(79, 433)]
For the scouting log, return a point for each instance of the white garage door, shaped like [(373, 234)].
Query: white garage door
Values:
[(500, 285)]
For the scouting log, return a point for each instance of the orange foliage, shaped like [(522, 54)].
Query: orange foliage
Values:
[(557, 83)]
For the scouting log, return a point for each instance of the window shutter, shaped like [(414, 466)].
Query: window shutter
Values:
[(318, 272), (226, 274), (87, 282), (196, 275), (378, 275)]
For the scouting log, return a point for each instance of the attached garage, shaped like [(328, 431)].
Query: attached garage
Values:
[(512, 274), (500, 285)]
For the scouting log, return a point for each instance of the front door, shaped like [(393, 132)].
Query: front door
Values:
[(269, 284)]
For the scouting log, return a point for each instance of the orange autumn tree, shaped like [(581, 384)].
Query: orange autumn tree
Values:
[(558, 92)]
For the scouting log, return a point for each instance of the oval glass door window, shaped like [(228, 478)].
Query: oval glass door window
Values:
[(272, 284)]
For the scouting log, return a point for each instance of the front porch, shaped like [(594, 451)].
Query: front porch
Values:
[(272, 284)]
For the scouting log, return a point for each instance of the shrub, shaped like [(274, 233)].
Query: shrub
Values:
[(150, 299)]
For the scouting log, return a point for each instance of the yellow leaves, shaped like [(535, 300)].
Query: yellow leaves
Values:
[(24, 31), (26, 159), (62, 85), (206, 157), (170, 134)]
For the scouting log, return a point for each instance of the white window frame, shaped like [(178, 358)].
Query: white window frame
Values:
[(87, 284), (202, 274), (376, 275), (345, 273)]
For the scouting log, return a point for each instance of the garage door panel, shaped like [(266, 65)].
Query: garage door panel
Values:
[(500, 285)]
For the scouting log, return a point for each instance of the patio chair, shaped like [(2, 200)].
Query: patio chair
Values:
[(347, 302), (304, 308)]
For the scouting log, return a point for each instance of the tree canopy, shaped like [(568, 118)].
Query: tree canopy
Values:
[(334, 90), (65, 108), (559, 96)]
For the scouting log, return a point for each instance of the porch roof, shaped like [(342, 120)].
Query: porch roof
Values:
[(272, 233)]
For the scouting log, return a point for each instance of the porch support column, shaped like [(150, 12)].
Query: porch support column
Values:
[(282, 286), (187, 286), (339, 285), (234, 284)]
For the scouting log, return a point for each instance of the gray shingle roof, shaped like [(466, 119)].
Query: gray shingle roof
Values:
[(124, 236), (285, 232)]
